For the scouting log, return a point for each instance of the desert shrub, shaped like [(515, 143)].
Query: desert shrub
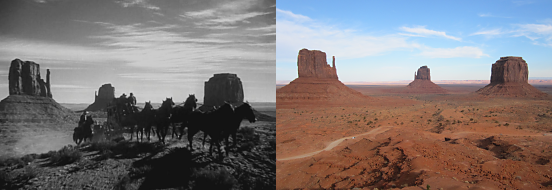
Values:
[(506, 124), (12, 161), (250, 138), (29, 173), (471, 119), (214, 179), (66, 155)]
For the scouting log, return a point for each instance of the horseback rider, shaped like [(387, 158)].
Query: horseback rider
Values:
[(131, 101), (82, 118)]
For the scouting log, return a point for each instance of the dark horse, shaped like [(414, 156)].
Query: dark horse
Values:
[(145, 121), (162, 119), (84, 131), (180, 114), (211, 123), (243, 111)]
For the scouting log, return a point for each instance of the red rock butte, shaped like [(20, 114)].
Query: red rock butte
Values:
[(422, 83), (317, 81), (509, 76)]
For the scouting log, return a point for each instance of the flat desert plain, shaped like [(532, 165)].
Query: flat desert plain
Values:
[(393, 140)]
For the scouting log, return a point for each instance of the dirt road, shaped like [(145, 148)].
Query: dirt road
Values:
[(333, 144)]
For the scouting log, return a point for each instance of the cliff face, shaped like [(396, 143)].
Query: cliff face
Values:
[(312, 63), (30, 98), (24, 79), (105, 95), (509, 76), (223, 87), (423, 74), (422, 83), (317, 81), (510, 69)]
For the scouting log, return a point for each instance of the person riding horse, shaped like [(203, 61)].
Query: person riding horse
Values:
[(82, 118), (131, 103)]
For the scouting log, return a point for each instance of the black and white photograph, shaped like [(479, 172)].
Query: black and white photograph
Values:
[(137, 94)]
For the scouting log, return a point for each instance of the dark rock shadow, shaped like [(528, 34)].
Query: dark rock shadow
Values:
[(170, 171)]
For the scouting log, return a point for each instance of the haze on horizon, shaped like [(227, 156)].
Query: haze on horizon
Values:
[(389, 41), (155, 49)]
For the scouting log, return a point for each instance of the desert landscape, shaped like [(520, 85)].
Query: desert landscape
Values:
[(398, 138)]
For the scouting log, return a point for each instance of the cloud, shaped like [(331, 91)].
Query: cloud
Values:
[(540, 34), (423, 32), (226, 13), (138, 3), (490, 15), (492, 32), (293, 35), (294, 17), (465, 51)]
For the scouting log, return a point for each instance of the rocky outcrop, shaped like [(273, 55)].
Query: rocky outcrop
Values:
[(30, 99), (422, 83), (317, 81), (223, 87), (509, 76), (312, 63), (423, 74), (102, 98), (24, 79)]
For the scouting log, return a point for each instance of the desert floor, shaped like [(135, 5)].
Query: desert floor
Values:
[(412, 141)]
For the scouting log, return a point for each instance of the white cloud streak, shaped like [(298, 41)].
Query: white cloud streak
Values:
[(422, 31)]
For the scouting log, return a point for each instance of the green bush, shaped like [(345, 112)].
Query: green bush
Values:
[(214, 179)]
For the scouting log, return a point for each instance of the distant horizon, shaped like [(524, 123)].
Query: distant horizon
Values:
[(155, 49), (390, 40)]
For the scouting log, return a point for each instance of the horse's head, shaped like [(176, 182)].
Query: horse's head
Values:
[(191, 102), (246, 111), (148, 106)]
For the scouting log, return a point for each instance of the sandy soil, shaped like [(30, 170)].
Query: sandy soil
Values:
[(408, 141)]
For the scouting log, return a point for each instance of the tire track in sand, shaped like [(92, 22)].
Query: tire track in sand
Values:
[(337, 142)]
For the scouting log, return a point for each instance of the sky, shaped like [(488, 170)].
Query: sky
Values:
[(155, 49), (390, 40)]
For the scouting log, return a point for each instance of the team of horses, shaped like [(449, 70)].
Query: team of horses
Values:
[(219, 124)]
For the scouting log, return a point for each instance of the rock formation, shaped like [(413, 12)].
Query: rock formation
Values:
[(223, 87), (313, 64), (422, 83), (30, 98), (102, 97), (317, 81), (24, 79), (509, 76)]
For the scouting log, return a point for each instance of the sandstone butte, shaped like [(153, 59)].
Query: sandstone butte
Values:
[(223, 87), (30, 98), (422, 83), (102, 98), (317, 81), (509, 76)]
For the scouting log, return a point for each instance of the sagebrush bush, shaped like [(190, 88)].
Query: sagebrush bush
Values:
[(66, 155), (214, 179)]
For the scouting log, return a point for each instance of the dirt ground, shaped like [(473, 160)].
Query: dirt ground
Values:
[(411, 141)]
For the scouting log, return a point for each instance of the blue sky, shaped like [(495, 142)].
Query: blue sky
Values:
[(390, 40), (155, 49)]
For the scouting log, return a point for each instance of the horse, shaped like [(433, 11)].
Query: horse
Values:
[(243, 111), (180, 115), (162, 118), (146, 120), (84, 131), (211, 123)]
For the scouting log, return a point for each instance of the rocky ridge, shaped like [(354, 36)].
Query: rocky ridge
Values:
[(509, 79)]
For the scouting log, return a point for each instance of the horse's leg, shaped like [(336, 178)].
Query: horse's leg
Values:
[(181, 130)]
